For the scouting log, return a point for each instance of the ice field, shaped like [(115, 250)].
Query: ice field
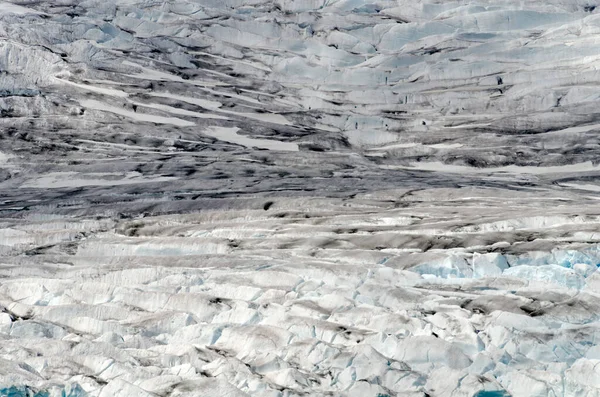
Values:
[(280, 198)]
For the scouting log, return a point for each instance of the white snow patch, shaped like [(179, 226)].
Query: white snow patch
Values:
[(9, 8), (194, 101), (93, 88), (582, 186), (97, 105), (75, 179), (438, 166), (230, 135)]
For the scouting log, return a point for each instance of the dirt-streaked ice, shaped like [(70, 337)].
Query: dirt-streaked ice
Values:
[(299, 198)]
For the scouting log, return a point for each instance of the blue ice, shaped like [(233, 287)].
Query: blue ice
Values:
[(24, 391), (493, 393)]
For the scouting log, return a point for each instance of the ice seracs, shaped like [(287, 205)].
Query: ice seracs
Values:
[(462, 324)]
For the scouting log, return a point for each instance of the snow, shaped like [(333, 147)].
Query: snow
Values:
[(440, 167), (97, 105), (231, 135), (72, 179), (194, 101), (100, 90), (9, 8)]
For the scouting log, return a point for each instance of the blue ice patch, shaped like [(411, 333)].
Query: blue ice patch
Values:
[(21, 391), (24, 391), (492, 393)]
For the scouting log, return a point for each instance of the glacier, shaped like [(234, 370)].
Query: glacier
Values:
[(288, 198)]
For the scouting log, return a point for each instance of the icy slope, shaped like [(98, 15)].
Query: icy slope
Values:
[(287, 198)]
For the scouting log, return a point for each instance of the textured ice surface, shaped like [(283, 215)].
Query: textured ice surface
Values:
[(291, 198), (143, 306)]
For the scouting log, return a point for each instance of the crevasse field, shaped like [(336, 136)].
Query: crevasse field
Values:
[(277, 198)]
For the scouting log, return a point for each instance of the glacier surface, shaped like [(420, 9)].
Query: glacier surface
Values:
[(299, 197)]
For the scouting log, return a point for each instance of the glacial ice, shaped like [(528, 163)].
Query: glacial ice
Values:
[(351, 333), (548, 273), (568, 268), (489, 265), (308, 197), (69, 390)]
